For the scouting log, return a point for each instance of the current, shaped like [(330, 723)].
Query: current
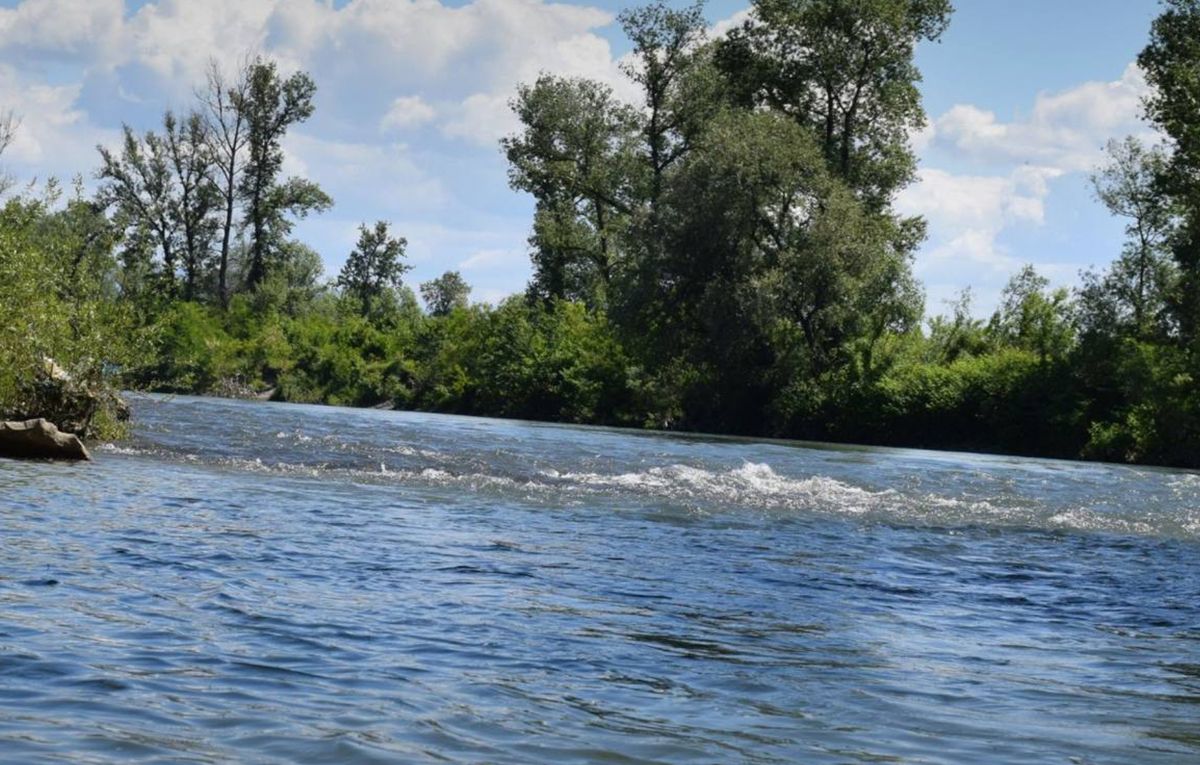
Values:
[(273, 583)]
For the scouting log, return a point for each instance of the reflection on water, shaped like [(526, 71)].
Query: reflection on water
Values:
[(267, 583)]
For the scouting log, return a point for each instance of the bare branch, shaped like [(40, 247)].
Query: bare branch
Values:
[(9, 123)]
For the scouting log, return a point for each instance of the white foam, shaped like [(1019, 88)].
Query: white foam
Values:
[(753, 483), (757, 485), (128, 451)]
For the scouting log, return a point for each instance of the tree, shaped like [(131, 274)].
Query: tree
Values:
[(772, 270), (375, 265), (1033, 317), (140, 186), (189, 150), (845, 69), (224, 102), (1136, 289), (8, 131), (957, 336), (445, 293), (1170, 61), (574, 156), (271, 105), (664, 47)]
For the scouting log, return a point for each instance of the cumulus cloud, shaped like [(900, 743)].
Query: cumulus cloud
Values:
[(365, 175), (54, 136), (1065, 130), (968, 212), (383, 62), (76, 29), (993, 177), (407, 112), (366, 54), (74, 70)]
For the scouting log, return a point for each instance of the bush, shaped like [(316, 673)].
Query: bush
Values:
[(62, 334)]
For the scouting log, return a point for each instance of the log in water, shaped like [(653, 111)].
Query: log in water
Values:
[(274, 583)]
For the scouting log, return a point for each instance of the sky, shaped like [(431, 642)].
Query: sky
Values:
[(412, 100)]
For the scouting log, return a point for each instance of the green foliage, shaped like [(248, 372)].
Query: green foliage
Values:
[(724, 257), (846, 71), (1032, 317), (374, 267), (575, 156), (445, 293), (193, 351), (61, 332), (270, 105), (1170, 61), (517, 360), (1007, 400), (1157, 417)]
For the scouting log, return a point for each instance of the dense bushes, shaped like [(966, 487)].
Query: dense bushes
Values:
[(725, 258), (1037, 379), (1005, 400), (513, 360), (61, 333)]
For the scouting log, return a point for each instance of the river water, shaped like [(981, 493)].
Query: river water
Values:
[(278, 583)]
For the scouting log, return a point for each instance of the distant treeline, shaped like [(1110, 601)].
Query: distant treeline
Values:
[(724, 256)]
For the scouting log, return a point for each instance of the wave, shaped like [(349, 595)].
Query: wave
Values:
[(752, 485), (755, 484)]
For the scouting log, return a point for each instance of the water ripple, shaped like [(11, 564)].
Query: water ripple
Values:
[(285, 584)]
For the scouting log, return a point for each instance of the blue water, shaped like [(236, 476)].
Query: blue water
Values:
[(274, 583)]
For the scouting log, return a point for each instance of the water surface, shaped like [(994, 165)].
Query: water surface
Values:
[(278, 583)]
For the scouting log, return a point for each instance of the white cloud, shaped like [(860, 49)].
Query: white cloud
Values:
[(366, 52), (370, 53), (994, 178), (967, 213), (365, 174), (484, 118), (727, 25), (1065, 130), (53, 136), (406, 112), (62, 28)]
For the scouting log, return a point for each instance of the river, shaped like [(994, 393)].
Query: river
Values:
[(277, 583)]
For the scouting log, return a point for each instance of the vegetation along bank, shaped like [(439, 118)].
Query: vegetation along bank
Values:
[(724, 255)]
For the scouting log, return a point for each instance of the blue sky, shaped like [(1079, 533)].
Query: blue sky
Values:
[(1021, 96)]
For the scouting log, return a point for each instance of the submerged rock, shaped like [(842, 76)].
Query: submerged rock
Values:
[(39, 439)]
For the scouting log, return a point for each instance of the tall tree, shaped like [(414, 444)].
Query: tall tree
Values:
[(223, 100), (375, 266), (445, 293), (189, 150), (665, 43), (574, 156), (773, 270), (1137, 288), (272, 104), (844, 68), (1170, 61), (140, 185)]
